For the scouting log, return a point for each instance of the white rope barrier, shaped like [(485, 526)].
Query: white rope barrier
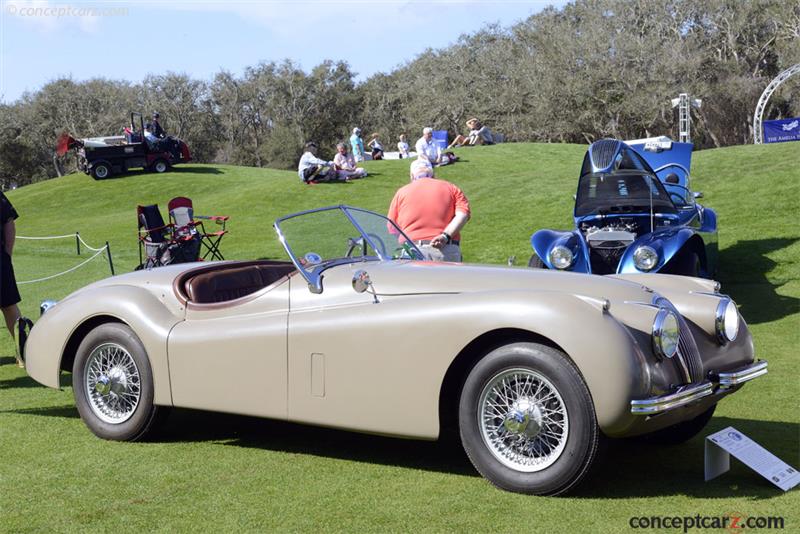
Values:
[(46, 237), (87, 246), (100, 251), (79, 240)]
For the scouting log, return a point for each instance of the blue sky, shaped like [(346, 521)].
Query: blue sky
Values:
[(43, 40)]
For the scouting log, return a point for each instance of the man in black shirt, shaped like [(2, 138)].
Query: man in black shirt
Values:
[(156, 128), (9, 294)]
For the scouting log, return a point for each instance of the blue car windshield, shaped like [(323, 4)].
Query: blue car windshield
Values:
[(621, 192)]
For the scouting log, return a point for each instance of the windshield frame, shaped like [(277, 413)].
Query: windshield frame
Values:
[(644, 175), (314, 276)]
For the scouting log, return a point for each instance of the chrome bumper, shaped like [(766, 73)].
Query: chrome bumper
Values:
[(693, 392)]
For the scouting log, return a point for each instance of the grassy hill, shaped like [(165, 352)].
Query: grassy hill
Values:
[(223, 472)]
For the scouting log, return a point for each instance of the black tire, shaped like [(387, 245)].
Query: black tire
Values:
[(536, 262), (101, 171), (138, 420), (688, 264), (569, 454), (682, 432), (160, 166)]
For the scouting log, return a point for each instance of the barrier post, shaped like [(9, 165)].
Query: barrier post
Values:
[(110, 261), (78, 242)]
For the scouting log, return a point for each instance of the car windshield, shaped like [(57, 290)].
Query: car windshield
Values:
[(632, 191), (318, 239)]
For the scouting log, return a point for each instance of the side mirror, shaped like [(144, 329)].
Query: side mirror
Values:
[(361, 281), (697, 194)]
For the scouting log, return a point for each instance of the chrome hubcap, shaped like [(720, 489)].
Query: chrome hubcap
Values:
[(523, 420), (112, 381)]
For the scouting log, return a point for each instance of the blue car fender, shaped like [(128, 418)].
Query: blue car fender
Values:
[(667, 242), (544, 240)]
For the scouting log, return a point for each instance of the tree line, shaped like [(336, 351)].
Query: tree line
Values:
[(588, 70)]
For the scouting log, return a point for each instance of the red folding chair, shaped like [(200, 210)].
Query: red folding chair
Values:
[(181, 213)]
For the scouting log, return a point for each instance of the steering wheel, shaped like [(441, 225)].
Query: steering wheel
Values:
[(354, 243)]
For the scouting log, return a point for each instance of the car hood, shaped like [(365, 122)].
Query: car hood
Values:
[(420, 277)]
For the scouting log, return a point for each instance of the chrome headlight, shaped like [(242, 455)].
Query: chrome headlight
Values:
[(560, 257), (46, 305), (645, 258), (727, 321), (665, 333)]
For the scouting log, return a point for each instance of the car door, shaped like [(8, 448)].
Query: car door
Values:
[(231, 356), (364, 366)]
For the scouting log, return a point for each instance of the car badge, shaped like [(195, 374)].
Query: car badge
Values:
[(645, 288)]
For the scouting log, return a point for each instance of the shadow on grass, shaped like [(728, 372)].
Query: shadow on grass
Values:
[(19, 382), (630, 468), (50, 411), (625, 469), (445, 456), (743, 274), (195, 170), (7, 360)]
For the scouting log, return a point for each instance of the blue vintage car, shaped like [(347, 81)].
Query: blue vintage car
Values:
[(634, 212)]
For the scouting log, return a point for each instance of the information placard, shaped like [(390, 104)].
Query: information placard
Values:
[(721, 445)]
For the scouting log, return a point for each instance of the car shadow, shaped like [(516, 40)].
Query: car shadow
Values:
[(631, 468), (68, 410), (625, 468), (7, 359), (19, 382), (251, 432), (743, 273)]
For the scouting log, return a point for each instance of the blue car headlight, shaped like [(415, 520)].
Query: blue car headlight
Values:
[(560, 257), (645, 258)]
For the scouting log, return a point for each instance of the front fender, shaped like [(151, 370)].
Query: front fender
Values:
[(544, 240), (615, 370), (136, 307), (667, 242)]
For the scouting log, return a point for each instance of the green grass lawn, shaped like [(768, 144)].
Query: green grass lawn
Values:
[(211, 472)]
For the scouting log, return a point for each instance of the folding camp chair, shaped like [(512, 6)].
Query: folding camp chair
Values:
[(154, 236), (181, 213)]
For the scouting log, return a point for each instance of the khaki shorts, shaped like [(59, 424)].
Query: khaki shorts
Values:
[(446, 253)]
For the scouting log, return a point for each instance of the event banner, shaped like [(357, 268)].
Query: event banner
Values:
[(782, 130)]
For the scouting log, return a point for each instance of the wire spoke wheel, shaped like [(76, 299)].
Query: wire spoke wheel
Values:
[(112, 383), (523, 420)]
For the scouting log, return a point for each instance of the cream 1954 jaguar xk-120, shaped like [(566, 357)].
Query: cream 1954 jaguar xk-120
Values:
[(357, 332)]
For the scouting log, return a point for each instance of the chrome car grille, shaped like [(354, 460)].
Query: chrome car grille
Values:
[(603, 153), (605, 260), (688, 354)]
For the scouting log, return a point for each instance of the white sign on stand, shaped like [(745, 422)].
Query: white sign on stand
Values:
[(721, 445)]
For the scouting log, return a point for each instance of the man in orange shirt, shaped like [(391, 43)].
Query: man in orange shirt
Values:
[(431, 212)]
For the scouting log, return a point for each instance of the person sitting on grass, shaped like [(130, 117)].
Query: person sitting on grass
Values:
[(345, 164), (403, 147), (376, 146), (311, 169), (479, 134)]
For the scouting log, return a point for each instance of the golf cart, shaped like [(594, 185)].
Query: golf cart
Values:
[(104, 156)]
